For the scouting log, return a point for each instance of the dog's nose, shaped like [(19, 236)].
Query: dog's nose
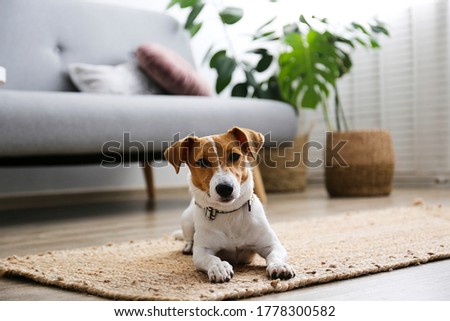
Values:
[(224, 190)]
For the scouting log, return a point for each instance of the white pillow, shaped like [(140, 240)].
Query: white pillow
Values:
[(123, 79)]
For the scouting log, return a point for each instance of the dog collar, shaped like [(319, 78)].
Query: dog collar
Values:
[(211, 212)]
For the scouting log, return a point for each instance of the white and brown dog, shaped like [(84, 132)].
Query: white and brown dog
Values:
[(225, 222)]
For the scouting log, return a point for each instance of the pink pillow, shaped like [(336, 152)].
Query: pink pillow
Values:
[(171, 71)]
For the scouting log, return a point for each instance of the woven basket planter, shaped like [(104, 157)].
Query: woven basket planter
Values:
[(283, 169), (370, 158)]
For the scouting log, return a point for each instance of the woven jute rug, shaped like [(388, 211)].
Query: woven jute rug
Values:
[(321, 250)]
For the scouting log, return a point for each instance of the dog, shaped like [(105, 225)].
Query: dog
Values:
[(225, 223)]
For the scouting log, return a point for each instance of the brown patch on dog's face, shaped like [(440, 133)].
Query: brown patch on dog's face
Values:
[(202, 164)]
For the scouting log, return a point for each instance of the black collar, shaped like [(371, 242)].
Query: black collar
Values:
[(211, 212)]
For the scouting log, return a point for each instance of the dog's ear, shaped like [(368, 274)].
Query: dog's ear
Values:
[(251, 141), (179, 152)]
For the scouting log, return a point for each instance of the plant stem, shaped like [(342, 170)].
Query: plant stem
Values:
[(344, 118), (336, 108), (326, 115), (339, 111)]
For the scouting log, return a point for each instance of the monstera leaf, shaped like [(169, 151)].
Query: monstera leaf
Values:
[(310, 69)]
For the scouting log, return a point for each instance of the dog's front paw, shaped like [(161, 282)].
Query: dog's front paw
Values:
[(221, 272), (187, 250), (280, 271)]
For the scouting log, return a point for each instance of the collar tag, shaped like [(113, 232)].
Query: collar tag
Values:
[(210, 213)]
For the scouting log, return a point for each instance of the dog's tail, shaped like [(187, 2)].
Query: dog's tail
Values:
[(178, 235)]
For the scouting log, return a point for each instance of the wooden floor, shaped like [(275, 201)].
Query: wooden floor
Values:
[(33, 224)]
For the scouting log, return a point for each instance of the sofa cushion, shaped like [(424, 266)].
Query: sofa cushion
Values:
[(123, 79), (171, 71)]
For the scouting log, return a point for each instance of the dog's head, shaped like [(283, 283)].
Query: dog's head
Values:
[(218, 163)]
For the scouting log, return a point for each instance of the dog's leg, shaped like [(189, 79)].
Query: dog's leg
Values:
[(276, 258), (218, 271), (187, 226)]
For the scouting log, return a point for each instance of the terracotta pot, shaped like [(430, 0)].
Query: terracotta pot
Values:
[(365, 166), (283, 169)]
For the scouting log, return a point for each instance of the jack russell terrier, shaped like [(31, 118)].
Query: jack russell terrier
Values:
[(225, 221)]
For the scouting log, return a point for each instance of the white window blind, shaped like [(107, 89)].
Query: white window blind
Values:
[(404, 88)]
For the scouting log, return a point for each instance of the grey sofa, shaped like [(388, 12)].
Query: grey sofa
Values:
[(44, 120)]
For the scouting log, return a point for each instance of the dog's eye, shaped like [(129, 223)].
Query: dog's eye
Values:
[(203, 163), (234, 157)]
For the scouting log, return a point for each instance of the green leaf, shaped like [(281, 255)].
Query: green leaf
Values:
[(310, 99), (231, 15), (240, 90), (264, 63), (361, 42), (273, 38), (216, 57), (187, 3), (294, 40), (309, 69), (314, 60), (225, 67), (360, 27), (323, 20), (344, 40), (195, 28), (273, 88), (303, 20), (266, 24), (345, 63), (328, 76), (269, 35), (323, 88), (379, 28), (259, 51), (222, 83), (374, 43), (196, 9)]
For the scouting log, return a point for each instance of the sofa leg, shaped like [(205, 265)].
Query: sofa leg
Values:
[(260, 191), (148, 173)]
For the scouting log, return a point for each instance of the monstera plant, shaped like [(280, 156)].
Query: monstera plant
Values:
[(317, 57)]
